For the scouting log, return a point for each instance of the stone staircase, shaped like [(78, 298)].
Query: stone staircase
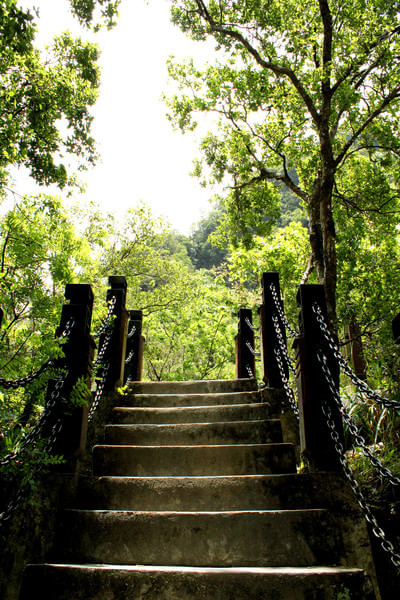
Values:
[(195, 496)]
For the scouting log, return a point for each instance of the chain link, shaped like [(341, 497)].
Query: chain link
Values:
[(24, 381), (279, 309), (132, 332), (46, 415), (282, 345), (129, 357), (249, 372), (250, 325), (99, 391), (107, 318), (56, 428), (360, 441), (362, 386), (376, 529), (253, 352)]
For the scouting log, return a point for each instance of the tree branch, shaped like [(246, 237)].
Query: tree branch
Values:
[(266, 64)]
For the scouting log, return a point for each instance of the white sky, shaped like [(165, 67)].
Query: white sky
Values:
[(142, 158)]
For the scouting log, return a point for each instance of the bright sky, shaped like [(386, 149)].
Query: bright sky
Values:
[(142, 158)]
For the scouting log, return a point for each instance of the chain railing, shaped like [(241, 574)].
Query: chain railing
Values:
[(370, 517), (45, 417), (101, 362), (280, 354), (46, 420), (359, 440), (362, 386), (279, 308), (106, 321)]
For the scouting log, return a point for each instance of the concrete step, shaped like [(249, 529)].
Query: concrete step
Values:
[(253, 538), (192, 387), (248, 492), (95, 582), (246, 459), (192, 414), (186, 399), (236, 432)]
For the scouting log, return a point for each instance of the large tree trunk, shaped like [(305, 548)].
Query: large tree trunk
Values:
[(323, 239)]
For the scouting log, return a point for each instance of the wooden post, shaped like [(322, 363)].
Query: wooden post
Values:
[(396, 328), (77, 364), (356, 349), (269, 341), (134, 347), (245, 359), (315, 437), (1, 316), (116, 351)]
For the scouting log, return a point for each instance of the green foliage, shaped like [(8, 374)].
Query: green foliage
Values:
[(195, 339), (44, 100)]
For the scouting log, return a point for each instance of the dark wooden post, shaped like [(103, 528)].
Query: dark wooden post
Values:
[(116, 350), (245, 358), (356, 349), (134, 347), (315, 436), (1, 316), (77, 364), (269, 341), (396, 328)]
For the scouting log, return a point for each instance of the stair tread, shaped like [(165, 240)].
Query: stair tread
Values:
[(194, 569)]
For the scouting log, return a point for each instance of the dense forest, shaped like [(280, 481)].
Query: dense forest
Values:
[(307, 149)]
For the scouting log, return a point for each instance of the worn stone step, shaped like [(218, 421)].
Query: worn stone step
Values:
[(192, 387), (252, 538), (179, 400), (192, 414), (236, 432), (247, 492), (246, 459), (95, 582)]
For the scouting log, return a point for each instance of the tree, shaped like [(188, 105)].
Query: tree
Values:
[(301, 86), (45, 99)]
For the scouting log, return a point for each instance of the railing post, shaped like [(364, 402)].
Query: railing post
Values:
[(77, 363), (134, 347), (116, 351), (315, 436), (396, 328), (269, 340), (245, 359)]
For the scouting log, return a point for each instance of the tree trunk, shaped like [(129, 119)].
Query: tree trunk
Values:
[(323, 239)]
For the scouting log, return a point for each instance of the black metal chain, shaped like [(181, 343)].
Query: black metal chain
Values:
[(376, 529), (24, 381), (362, 386), (360, 441), (283, 348), (46, 418), (108, 330), (99, 391), (132, 332), (46, 415), (253, 352), (279, 309), (107, 318), (250, 325), (249, 372), (129, 357)]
